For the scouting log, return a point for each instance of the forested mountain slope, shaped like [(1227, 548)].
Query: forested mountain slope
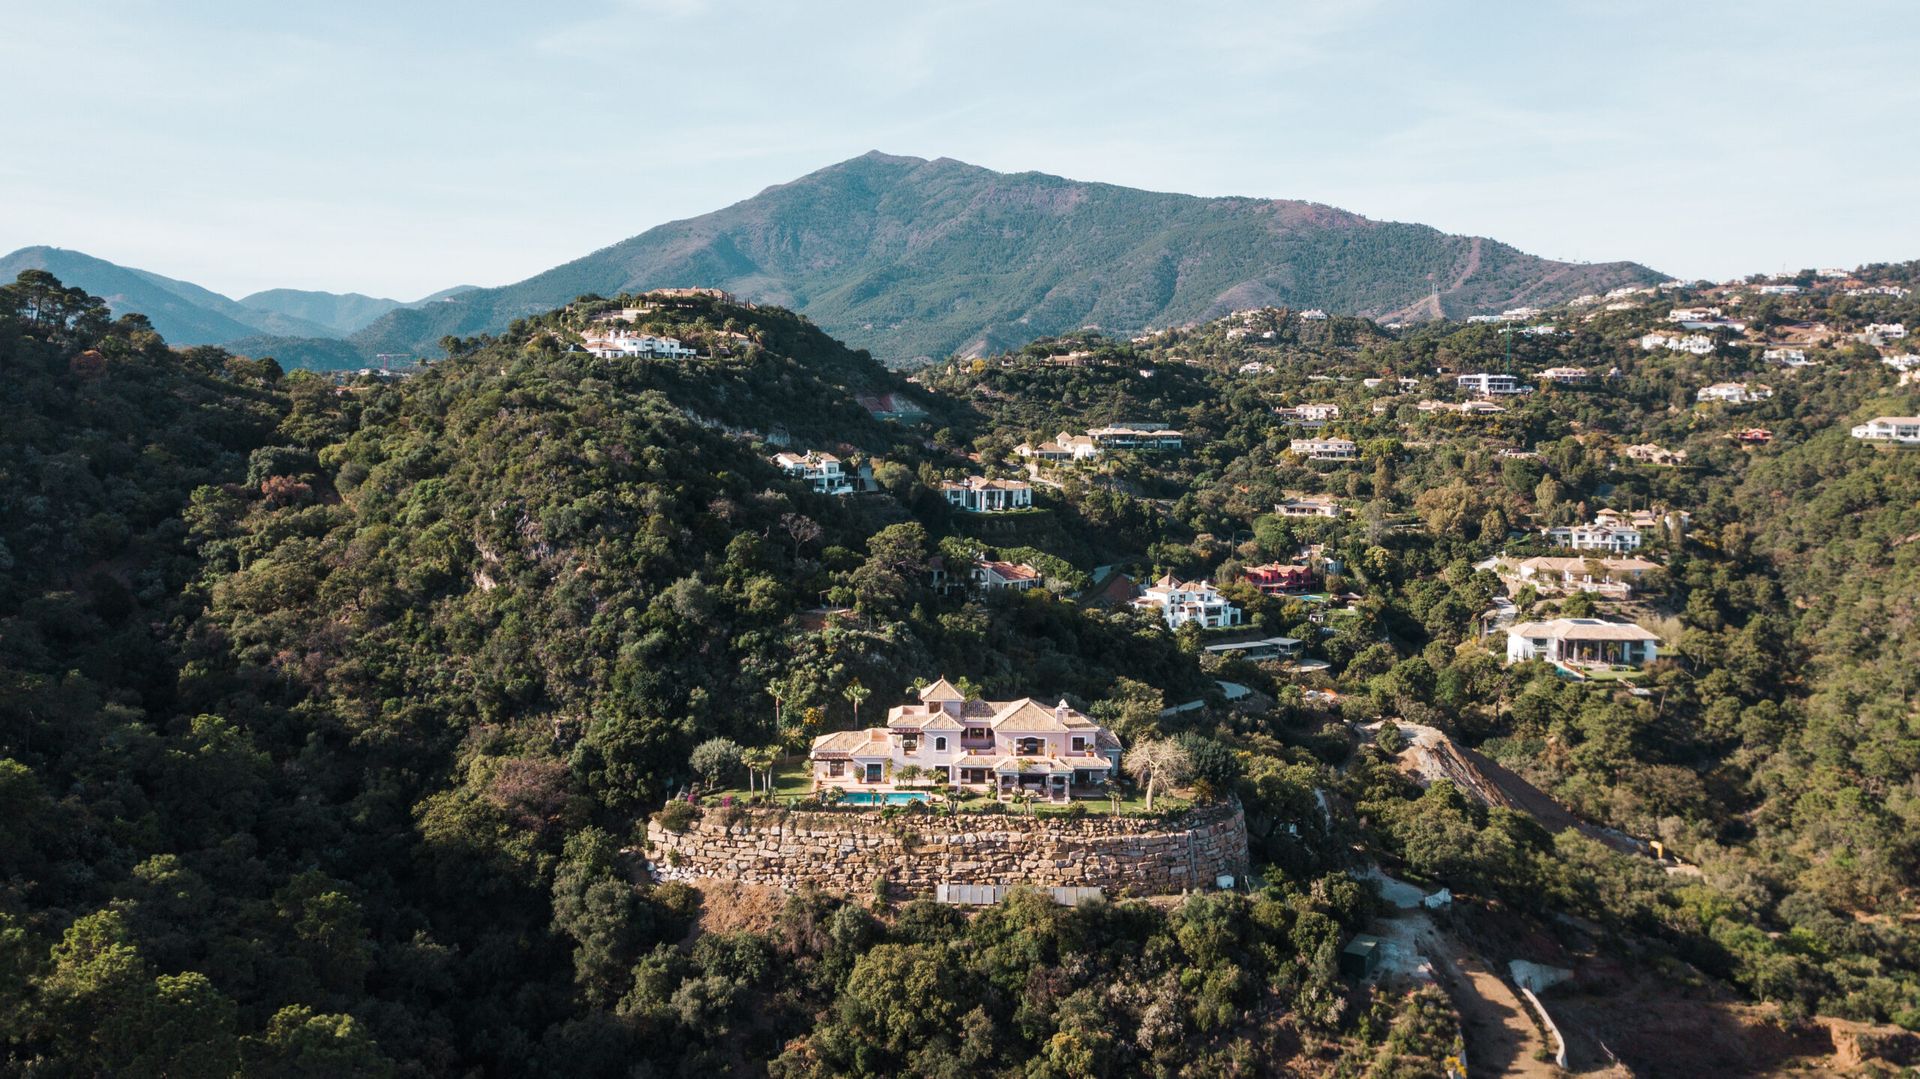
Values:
[(915, 258)]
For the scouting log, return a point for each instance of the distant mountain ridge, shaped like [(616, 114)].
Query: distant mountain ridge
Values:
[(301, 328), (913, 258), (184, 313), (910, 258)]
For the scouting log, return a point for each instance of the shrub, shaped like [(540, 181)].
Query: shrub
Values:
[(676, 816), (715, 759)]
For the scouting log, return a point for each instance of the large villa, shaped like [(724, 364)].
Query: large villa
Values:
[(1582, 642), (954, 740)]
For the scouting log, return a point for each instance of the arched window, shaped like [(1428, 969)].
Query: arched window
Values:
[(940, 744)]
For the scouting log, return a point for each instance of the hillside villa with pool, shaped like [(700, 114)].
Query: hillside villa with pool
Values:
[(953, 740)]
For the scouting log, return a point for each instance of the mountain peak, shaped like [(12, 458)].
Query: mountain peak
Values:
[(913, 258)]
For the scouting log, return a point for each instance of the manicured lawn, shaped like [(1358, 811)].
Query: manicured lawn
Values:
[(790, 780), (1129, 807)]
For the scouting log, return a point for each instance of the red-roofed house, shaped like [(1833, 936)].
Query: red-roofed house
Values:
[(1275, 579)]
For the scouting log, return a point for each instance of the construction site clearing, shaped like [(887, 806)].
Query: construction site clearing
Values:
[(1564, 996)]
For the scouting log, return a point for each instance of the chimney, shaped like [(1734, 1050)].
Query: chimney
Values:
[(1060, 710)]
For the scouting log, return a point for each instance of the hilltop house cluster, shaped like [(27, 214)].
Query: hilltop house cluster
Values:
[(623, 344), (952, 739)]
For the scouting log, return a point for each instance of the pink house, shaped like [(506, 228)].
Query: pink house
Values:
[(955, 740)]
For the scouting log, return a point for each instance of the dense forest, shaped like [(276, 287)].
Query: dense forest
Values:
[(332, 710)]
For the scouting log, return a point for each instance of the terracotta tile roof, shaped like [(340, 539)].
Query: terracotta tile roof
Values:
[(941, 691)]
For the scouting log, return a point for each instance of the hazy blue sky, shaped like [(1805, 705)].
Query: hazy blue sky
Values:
[(400, 147)]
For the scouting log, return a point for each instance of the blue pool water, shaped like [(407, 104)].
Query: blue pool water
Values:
[(892, 798)]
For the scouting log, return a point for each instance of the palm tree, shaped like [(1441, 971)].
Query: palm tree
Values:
[(761, 760), (906, 774), (855, 693)]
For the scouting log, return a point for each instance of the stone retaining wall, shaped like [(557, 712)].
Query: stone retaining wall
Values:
[(845, 852)]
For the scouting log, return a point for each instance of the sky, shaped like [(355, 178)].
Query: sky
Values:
[(407, 146)]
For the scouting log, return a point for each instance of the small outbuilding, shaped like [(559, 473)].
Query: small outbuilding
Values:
[(1361, 957)]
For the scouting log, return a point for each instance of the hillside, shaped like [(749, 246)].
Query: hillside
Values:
[(914, 258)]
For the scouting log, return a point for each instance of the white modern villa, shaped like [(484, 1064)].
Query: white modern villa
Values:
[(629, 345), (1598, 536), (1582, 642), (952, 739), (821, 470), (1491, 384), (1180, 602)]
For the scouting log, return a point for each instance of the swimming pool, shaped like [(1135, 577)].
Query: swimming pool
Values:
[(892, 798)]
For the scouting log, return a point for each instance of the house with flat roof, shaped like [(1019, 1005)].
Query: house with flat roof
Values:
[(821, 471), (953, 739), (1904, 429), (1324, 449), (1491, 385), (1262, 649), (1135, 435), (978, 494), (1582, 642), (1618, 538), (1182, 602)]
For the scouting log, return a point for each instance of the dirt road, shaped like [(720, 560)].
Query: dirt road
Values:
[(1500, 1033)]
